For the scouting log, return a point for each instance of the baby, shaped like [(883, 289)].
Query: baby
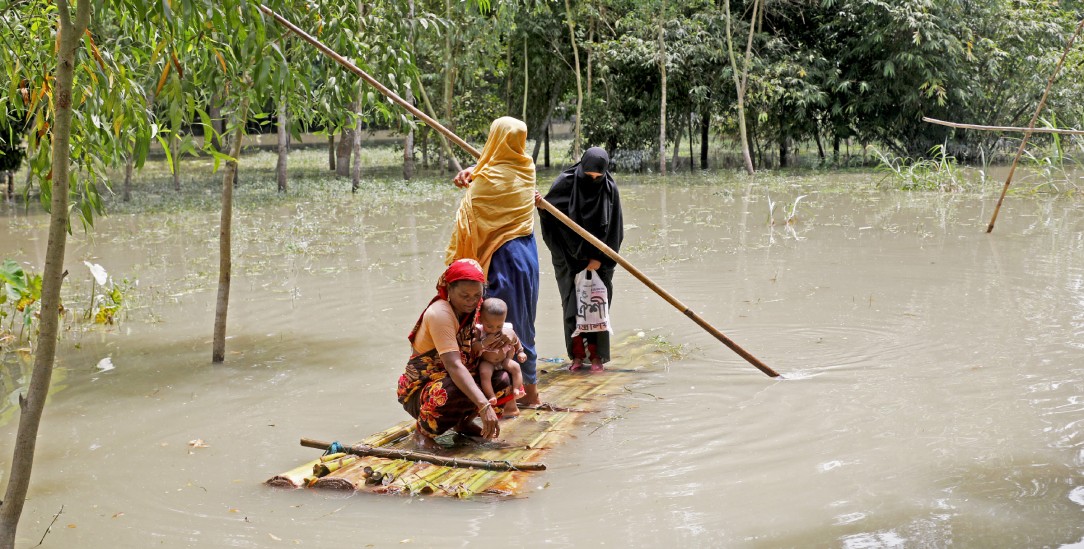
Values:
[(495, 356)]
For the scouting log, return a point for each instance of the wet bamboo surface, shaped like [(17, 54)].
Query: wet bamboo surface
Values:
[(571, 401)]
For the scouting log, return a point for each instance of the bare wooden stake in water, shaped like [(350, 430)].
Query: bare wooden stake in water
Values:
[(541, 204), (1031, 126)]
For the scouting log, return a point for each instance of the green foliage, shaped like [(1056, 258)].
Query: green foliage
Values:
[(20, 296), (938, 171), (11, 137), (108, 298), (106, 105), (825, 71)]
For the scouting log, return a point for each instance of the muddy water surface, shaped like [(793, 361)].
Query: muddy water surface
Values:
[(934, 389)]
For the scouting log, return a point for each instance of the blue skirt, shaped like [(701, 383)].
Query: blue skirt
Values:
[(513, 277)]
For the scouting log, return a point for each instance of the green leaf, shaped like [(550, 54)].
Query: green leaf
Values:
[(205, 119), (219, 158), (165, 147), (142, 148), (13, 275)]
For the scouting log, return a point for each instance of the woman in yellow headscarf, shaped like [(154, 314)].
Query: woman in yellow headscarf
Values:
[(495, 226)]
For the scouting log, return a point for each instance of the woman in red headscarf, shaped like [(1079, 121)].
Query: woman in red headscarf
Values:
[(440, 387)]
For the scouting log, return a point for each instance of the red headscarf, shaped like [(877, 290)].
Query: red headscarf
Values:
[(461, 269)]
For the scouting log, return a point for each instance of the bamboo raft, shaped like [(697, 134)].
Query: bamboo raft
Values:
[(498, 468)]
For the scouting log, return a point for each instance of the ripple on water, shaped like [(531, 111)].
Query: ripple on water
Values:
[(873, 540), (1076, 495), (810, 350)]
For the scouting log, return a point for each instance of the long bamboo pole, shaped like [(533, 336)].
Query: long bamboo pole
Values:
[(543, 204), (656, 288), (390, 453), (1031, 126), (1000, 128)]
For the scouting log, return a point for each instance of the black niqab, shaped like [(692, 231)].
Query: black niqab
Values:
[(593, 203)]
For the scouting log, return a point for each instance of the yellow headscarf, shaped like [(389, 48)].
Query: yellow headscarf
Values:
[(499, 205)]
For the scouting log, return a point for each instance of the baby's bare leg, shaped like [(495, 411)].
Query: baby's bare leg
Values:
[(485, 375), (512, 367)]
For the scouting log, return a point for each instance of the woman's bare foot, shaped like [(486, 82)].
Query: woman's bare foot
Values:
[(531, 398), (510, 409), (577, 363), (596, 365), (426, 444)]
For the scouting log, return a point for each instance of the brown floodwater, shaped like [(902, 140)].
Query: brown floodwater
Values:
[(933, 391)]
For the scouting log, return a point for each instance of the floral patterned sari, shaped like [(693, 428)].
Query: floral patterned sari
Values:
[(428, 393)]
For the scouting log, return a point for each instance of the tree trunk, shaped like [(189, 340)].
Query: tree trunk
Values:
[(590, 51), (225, 261), (449, 82), (677, 150), (740, 81), (284, 145), (214, 112), (33, 404), (446, 147), (547, 157), (330, 151), (705, 121), (755, 143), (577, 138), (425, 147), (543, 128), (662, 103), (526, 79), (355, 171), (129, 167), (692, 160), (784, 151), (820, 147), (408, 144), (343, 150), (408, 141), (508, 99)]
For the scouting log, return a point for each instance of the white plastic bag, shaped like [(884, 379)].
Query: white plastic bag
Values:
[(593, 304)]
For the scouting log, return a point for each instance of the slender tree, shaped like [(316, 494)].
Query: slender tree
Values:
[(662, 98), (283, 133), (31, 406), (408, 139), (225, 234), (577, 138), (741, 78)]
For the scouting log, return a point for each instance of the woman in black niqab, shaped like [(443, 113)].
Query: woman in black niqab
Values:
[(586, 193)]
